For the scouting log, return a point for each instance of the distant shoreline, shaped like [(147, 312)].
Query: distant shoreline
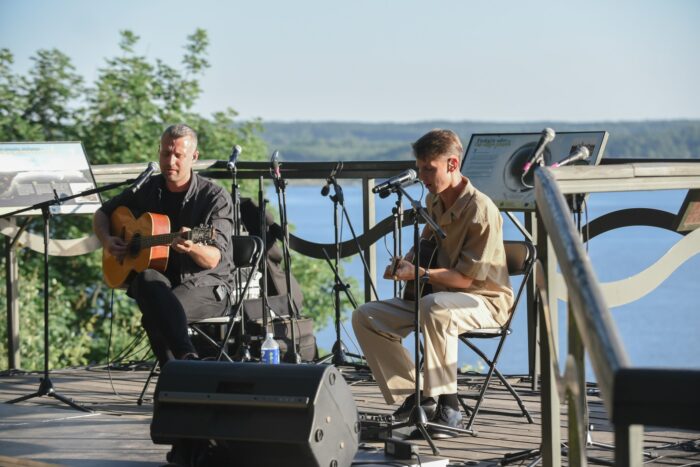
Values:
[(349, 141)]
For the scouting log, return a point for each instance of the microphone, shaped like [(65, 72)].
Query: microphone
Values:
[(233, 158), (582, 153), (275, 165), (547, 137), (406, 177), (331, 179), (145, 175), (326, 188)]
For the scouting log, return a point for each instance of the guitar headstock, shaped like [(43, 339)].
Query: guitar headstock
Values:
[(202, 234)]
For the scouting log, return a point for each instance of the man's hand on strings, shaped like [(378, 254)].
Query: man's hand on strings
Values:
[(399, 270), (116, 246), (181, 244)]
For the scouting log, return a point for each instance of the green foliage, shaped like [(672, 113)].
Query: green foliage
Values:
[(53, 87), (36, 107), (119, 119)]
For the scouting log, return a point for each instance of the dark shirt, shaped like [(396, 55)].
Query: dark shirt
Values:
[(172, 205), (204, 203)]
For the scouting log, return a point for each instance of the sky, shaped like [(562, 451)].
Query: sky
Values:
[(396, 61)]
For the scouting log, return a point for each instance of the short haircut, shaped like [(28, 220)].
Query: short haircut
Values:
[(437, 143), (180, 130)]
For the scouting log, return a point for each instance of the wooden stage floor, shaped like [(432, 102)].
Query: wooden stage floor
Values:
[(44, 431)]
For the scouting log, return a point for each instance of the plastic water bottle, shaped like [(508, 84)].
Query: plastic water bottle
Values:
[(270, 350)]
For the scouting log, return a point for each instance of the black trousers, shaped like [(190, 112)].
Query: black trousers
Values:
[(166, 310)]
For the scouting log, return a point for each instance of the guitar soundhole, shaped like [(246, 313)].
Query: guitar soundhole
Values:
[(135, 245)]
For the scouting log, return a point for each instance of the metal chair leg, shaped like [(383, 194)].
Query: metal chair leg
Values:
[(151, 374)]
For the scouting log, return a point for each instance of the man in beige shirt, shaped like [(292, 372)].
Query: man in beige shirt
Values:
[(470, 289)]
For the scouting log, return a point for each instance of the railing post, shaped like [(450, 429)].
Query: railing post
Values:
[(534, 368), (576, 396), (12, 289), (551, 417), (629, 445), (368, 221)]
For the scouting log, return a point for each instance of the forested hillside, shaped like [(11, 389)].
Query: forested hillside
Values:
[(679, 139)]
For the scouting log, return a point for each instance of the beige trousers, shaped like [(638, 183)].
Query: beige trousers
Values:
[(379, 327)]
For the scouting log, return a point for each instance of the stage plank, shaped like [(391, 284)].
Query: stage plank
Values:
[(44, 430)]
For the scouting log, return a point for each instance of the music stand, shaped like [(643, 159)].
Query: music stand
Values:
[(417, 417), (494, 162), (46, 387)]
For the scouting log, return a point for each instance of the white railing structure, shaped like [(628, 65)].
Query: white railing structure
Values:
[(625, 389)]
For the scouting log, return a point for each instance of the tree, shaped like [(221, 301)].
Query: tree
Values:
[(119, 120)]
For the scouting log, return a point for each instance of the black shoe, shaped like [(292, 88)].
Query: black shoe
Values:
[(447, 417), (404, 411)]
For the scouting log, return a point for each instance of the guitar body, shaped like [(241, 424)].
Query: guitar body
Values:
[(137, 259), (428, 259)]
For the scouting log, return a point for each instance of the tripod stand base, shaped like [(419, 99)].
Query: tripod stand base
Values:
[(46, 389), (535, 454), (419, 421), (339, 357), (243, 354), (292, 357)]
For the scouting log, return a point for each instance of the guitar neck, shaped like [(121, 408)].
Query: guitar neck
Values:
[(162, 239)]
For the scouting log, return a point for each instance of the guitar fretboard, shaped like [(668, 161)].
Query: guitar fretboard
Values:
[(162, 239)]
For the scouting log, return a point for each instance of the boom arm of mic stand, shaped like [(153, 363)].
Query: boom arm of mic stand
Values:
[(421, 212), (57, 200)]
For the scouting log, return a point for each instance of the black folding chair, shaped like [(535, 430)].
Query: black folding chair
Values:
[(520, 258), (247, 253)]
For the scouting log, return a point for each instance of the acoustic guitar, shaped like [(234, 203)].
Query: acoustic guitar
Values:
[(428, 259), (148, 241)]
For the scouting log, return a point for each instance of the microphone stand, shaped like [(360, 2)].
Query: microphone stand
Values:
[(397, 214), (418, 417), (339, 354), (243, 352), (292, 356), (263, 269), (46, 387)]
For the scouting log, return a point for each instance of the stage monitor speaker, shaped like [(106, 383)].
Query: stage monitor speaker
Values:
[(258, 414)]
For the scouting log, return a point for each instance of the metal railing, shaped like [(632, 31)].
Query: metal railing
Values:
[(673, 402)]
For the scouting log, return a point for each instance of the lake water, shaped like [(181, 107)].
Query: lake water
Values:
[(661, 329)]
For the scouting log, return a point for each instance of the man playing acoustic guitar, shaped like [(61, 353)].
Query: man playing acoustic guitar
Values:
[(193, 280), (470, 289)]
